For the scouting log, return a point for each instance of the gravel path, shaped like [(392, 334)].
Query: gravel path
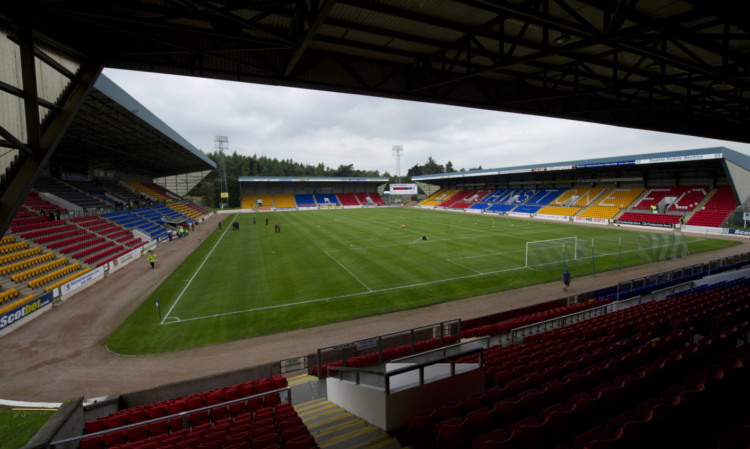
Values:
[(62, 354)]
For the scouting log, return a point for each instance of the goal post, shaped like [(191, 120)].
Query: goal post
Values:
[(555, 252)]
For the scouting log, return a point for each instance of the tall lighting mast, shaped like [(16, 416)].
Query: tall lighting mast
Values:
[(397, 151), (221, 144)]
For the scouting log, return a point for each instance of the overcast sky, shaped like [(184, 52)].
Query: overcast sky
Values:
[(311, 127)]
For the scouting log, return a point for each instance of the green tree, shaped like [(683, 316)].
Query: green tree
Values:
[(416, 170), (431, 167), (344, 171)]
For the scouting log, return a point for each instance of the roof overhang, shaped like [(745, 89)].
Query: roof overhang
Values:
[(113, 131), (672, 66), (319, 179), (695, 163)]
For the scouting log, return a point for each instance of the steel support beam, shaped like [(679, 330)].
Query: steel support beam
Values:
[(42, 141)]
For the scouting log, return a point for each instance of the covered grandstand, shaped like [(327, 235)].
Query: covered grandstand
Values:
[(95, 207), (262, 193), (694, 189)]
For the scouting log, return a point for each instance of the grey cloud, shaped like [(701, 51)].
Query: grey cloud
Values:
[(312, 127)]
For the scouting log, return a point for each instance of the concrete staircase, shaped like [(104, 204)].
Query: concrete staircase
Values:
[(335, 428), (330, 425)]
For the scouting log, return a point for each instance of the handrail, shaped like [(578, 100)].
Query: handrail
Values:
[(562, 320), (182, 415), (377, 341), (611, 307), (351, 342), (481, 344)]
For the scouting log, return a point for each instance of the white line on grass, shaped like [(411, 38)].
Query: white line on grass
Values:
[(370, 291), (462, 266), (411, 242), (195, 274), (350, 273), (311, 301)]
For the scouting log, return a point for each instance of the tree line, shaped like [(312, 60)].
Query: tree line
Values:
[(241, 165), (432, 168)]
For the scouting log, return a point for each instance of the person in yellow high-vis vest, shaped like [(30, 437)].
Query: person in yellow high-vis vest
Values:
[(151, 259)]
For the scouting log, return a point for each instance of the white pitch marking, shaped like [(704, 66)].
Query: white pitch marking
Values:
[(350, 273), (195, 274), (311, 301)]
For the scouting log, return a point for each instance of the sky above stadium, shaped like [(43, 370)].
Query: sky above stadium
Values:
[(311, 127)]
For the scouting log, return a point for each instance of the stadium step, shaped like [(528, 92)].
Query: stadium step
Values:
[(700, 205), (300, 380), (335, 428)]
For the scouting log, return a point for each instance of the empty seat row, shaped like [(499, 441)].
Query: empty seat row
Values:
[(25, 263), (115, 252), (77, 243), (11, 247), (604, 374), (38, 270), (18, 255), (49, 277), (64, 232), (195, 401), (92, 250), (505, 326), (8, 295)]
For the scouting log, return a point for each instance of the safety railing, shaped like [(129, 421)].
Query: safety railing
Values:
[(645, 285), (182, 415), (442, 333), (519, 333), (418, 369)]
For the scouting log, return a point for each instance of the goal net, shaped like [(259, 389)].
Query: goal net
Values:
[(656, 247), (554, 253)]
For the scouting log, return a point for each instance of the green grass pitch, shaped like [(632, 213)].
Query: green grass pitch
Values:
[(336, 265)]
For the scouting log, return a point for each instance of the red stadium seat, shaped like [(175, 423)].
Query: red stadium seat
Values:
[(92, 442), (303, 442)]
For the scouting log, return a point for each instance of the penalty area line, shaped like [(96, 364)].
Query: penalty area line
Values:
[(197, 270), (350, 273)]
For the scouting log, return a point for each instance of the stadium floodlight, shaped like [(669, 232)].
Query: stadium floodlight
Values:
[(221, 144), (397, 151)]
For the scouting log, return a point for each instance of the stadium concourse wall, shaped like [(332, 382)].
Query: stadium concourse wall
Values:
[(38, 305)]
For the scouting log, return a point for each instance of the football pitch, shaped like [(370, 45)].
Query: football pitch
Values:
[(335, 265)]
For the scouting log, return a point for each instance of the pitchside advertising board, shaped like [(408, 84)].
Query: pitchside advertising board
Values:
[(81, 281), (25, 310)]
